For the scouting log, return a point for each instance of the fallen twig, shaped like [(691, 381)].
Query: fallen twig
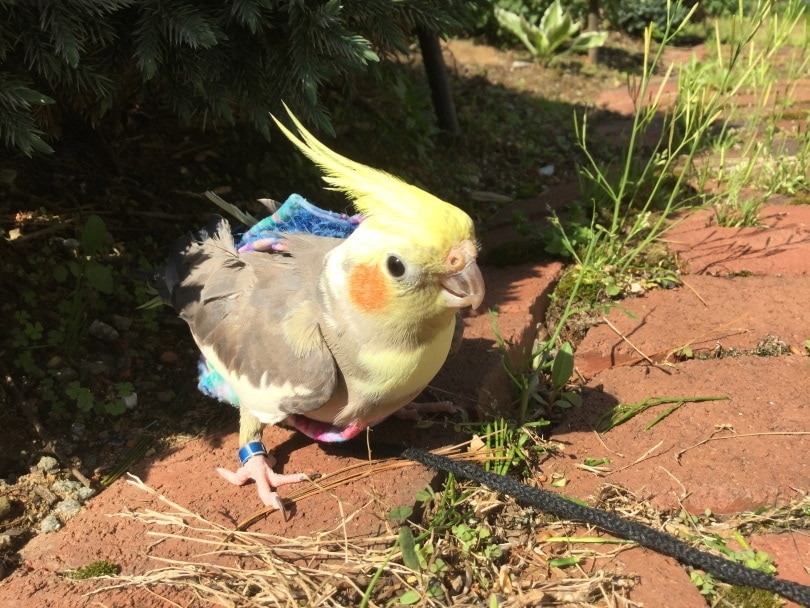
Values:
[(626, 339), (737, 436), (694, 291), (604, 445), (641, 458)]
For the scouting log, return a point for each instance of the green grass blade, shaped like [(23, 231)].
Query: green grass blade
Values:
[(622, 412)]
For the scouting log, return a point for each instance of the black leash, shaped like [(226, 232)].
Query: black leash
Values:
[(730, 572)]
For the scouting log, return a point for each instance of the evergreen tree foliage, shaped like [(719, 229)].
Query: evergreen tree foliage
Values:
[(204, 57)]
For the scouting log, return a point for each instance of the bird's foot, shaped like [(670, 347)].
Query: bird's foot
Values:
[(258, 466), (329, 433), (415, 411), (322, 431)]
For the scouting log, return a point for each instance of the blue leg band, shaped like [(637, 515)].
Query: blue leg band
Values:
[(254, 448)]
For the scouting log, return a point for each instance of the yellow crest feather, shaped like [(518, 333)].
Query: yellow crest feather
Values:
[(381, 196)]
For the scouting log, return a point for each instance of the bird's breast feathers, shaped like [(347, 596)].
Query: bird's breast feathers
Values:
[(384, 379)]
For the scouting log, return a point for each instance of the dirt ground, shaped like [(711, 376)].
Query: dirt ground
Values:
[(742, 312)]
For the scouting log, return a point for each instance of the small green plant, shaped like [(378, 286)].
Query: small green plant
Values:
[(27, 331), (420, 559), (739, 213), (90, 276), (704, 582), (453, 526), (542, 378), (454, 520), (86, 401), (26, 362), (508, 445), (81, 395), (574, 235), (118, 405), (745, 597), (559, 365), (717, 593), (684, 354), (745, 555), (555, 28), (94, 570), (475, 540), (131, 457)]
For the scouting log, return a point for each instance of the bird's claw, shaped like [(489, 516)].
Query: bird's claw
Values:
[(279, 504), (259, 469)]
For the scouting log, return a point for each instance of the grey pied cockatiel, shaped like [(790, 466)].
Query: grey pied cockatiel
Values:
[(329, 335)]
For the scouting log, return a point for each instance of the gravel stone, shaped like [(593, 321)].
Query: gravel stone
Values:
[(103, 331), (121, 323), (67, 487), (94, 368), (50, 523), (5, 507), (48, 463), (84, 494), (68, 508), (131, 401)]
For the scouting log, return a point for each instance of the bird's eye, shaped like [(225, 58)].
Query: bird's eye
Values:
[(396, 267)]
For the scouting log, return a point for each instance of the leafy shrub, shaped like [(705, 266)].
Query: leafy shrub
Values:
[(633, 16), (555, 28), (717, 8), (485, 22), (205, 57)]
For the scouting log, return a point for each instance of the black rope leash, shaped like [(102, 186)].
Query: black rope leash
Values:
[(730, 572)]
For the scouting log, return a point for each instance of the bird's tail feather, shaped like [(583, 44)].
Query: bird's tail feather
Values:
[(216, 230)]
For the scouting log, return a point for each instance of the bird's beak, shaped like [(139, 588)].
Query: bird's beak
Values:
[(465, 286)]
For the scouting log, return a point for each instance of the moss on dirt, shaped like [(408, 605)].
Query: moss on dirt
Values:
[(94, 570)]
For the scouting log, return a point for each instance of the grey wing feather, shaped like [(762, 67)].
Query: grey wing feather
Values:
[(259, 314)]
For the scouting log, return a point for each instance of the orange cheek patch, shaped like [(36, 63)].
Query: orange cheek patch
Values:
[(368, 288)]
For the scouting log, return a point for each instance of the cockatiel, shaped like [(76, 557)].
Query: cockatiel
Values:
[(328, 335)]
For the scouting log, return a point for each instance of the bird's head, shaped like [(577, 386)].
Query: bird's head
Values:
[(413, 253)]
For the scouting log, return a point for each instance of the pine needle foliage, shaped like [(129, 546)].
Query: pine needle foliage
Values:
[(206, 58)]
